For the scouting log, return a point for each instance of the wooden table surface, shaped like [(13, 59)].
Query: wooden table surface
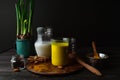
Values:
[(112, 72)]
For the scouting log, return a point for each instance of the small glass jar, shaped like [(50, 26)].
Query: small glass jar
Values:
[(17, 62), (73, 45)]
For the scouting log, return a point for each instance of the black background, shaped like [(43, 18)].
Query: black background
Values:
[(86, 20)]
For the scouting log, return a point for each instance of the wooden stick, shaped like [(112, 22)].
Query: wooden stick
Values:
[(90, 68), (96, 56)]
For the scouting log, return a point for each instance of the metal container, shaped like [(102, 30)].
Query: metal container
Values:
[(100, 63)]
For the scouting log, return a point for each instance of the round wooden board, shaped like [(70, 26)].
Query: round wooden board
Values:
[(46, 68)]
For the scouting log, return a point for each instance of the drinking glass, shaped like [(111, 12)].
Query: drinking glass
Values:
[(59, 52)]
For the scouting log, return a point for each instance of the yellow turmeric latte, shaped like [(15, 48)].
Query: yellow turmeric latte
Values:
[(59, 54)]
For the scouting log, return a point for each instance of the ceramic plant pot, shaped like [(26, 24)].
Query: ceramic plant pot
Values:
[(23, 47)]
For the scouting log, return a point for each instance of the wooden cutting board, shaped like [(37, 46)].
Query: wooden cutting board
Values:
[(46, 68)]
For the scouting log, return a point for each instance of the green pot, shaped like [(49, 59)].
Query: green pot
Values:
[(23, 47)]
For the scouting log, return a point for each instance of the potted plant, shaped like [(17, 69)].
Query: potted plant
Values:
[(24, 14)]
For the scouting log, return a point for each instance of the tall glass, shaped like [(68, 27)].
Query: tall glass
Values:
[(59, 52)]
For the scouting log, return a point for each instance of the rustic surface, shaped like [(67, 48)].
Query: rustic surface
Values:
[(109, 73)]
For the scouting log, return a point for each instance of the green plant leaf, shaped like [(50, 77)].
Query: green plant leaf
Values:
[(24, 12)]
